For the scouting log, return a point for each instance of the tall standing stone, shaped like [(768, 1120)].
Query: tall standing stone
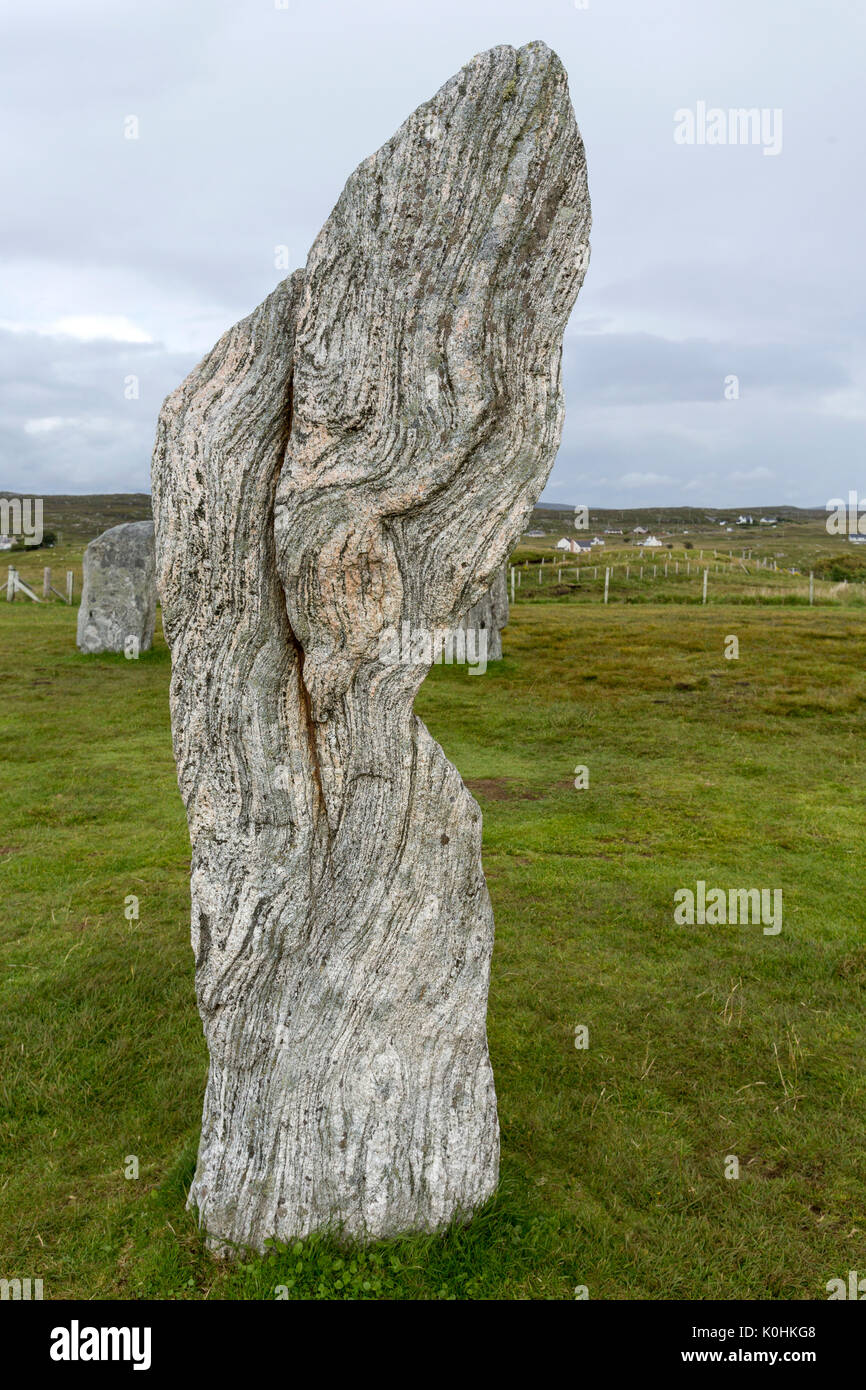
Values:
[(118, 596), (361, 452)]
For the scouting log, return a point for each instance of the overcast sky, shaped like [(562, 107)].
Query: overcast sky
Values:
[(129, 257)]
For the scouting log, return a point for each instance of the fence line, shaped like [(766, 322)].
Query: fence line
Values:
[(737, 566), (16, 585)]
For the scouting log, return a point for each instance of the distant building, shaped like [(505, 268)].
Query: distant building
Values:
[(5, 543), (639, 531), (745, 521), (651, 542), (596, 540), (769, 520), (534, 534), (571, 544)]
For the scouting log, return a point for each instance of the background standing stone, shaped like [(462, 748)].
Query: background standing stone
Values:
[(490, 614), (118, 597)]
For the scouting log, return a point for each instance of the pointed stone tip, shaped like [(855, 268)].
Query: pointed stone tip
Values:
[(540, 51), (536, 52), (525, 71)]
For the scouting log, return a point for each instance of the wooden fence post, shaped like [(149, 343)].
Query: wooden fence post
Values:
[(70, 581), (46, 582), (10, 585), (606, 582)]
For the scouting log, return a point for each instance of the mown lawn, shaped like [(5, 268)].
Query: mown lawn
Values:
[(704, 1041)]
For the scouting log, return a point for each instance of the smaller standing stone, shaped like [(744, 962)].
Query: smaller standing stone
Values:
[(491, 613), (118, 599)]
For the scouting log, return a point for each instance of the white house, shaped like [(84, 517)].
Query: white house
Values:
[(651, 541), (5, 543), (571, 544), (639, 531), (596, 540)]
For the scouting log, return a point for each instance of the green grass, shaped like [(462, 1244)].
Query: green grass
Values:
[(704, 1041)]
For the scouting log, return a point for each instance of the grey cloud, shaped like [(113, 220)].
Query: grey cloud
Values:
[(705, 261), (633, 367), (65, 424)]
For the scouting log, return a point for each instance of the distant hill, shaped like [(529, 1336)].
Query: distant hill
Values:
[(552, 516), (80, 518)]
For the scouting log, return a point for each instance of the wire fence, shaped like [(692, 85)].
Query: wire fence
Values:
[(688, 579)]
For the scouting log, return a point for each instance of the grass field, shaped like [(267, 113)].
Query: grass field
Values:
[(704, 1041)]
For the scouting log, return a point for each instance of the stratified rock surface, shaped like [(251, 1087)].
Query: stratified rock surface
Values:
[(118, 596), (360, 453)]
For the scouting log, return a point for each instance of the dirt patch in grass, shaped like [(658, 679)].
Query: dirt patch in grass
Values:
[(501, 789)]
